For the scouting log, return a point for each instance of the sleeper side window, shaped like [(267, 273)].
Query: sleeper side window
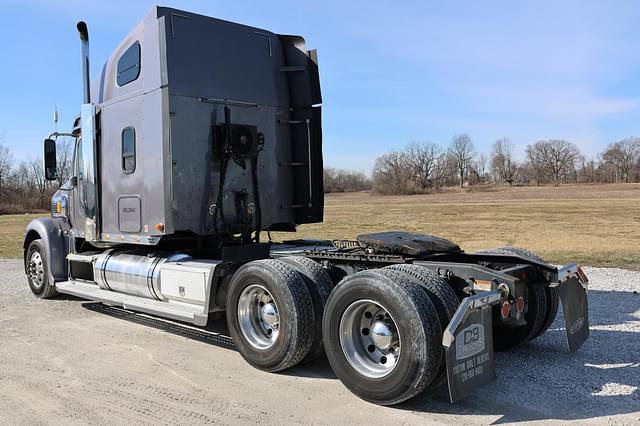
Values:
[(128, 150), (129, 65)]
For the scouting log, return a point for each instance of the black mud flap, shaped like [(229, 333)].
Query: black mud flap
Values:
[(468, 343), (575, 306)]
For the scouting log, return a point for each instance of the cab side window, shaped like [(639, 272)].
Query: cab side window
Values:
[(129, 65), (129, 150)]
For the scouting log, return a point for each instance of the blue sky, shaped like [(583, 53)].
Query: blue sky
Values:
[(391, 72)]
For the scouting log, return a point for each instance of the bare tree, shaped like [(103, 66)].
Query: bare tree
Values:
[(64, 152), (422, 161), (328, 179), (555, 158), (535, 164), (441, 170), (461, 149), (6, 160), (391, 173), (503, 165), (37, 177), (481, 166), (623, 155)]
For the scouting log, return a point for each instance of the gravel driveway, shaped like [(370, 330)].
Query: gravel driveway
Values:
[(72, 361)]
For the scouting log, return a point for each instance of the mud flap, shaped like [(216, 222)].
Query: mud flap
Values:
[(575, 307), (468, 343)]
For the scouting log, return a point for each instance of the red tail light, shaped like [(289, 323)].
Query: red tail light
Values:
[(504, 310)]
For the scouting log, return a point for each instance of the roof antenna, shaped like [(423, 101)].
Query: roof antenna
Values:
[(55, 119)]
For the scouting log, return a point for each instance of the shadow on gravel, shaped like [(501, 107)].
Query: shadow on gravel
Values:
[(214, 333), (543, 381), (318, 369), (539, 381), (61, 297)]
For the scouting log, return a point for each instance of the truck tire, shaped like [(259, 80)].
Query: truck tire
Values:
[(382, 336), (441, 295), (270, 315), (543, 308), (319, 284), (36, 267), (437, 288)]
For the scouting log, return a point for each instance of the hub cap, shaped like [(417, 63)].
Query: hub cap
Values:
[(369, 338), (36, 269), (258, 317)]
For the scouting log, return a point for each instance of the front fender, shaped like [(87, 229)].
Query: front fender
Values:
[(52, 233)]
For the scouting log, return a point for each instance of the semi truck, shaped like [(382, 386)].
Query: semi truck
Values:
[(200, 137)]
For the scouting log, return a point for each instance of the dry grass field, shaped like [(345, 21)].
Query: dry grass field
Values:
[(595, 225), (11, 232)]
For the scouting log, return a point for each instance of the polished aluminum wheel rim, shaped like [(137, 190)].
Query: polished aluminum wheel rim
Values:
[(369, 338), (36, 269), (258, 317)]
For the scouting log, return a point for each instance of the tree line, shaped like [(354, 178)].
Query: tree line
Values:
[(339, 180), (419, 168), (23, 187), (424, 166)]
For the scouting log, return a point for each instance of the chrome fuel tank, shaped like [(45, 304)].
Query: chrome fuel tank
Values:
[(133, 272)]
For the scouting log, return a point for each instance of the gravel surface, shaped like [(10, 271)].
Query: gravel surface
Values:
[(77, 362)]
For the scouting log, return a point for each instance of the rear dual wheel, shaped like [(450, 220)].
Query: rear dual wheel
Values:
[(440, 293), (270, 315), (319, 285), (274, 311), (382, 336)]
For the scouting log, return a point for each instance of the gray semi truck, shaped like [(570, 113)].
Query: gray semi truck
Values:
[(199, 137)]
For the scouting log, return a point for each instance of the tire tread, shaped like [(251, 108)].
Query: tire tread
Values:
[(319, 284), (432, 330)]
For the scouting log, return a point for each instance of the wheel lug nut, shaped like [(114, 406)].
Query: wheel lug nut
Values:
[(365, 331), (371, 348), (383, 360)]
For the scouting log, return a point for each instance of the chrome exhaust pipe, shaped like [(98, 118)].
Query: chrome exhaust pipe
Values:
[(86, 81)]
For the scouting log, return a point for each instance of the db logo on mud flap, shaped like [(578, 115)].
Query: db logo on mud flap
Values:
[(470, 341), (577, 325)]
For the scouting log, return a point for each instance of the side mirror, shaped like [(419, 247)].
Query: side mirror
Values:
[(50, 166)]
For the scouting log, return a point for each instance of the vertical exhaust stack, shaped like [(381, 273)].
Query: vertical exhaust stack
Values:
[(84, 38)]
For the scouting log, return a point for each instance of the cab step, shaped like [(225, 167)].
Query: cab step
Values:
[(194, 314)]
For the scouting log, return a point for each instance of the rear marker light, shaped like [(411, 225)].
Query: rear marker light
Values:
[(504, 310)]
